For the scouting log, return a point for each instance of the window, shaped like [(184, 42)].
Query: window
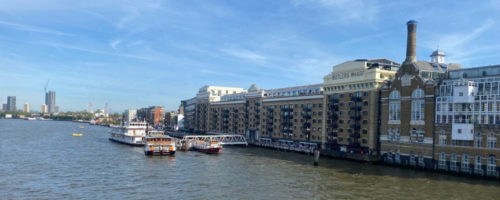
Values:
[(491, 166), (394, 106), (389, 134), (442, 138), (478, 140), (453, 162), (418, 93), (420, 159), (492, 141), (366, 94), (461, 94), (397, 157), (397, 134), (442, 160), (477, 165), (412, 158), (420, 135), (365, 103), (465, 162), (417, 110)]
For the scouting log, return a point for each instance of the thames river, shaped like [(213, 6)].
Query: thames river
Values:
[(42, 160)]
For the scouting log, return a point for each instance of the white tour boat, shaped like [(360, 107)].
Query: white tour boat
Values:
[(131, 133), (157, 143)]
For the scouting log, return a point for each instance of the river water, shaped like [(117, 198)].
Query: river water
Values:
[(42, 160)]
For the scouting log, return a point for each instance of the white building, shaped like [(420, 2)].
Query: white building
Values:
[(129, 115), (214, 93), (8, 116), (180, 122), (44, 108), (26, 107)]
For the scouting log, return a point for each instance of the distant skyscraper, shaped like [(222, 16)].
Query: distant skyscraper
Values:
[(44, 109), (51, 98), (4, 107), (26, 107), (11, 103)]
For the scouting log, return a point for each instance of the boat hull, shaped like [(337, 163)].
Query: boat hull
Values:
[(128, 143), (215, 150), (161, 153)]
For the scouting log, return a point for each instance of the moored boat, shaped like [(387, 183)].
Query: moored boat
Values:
[(209, 147), (159, 144), (132, 133), (30, 118)]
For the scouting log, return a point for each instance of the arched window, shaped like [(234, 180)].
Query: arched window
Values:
[(412, 158), (418, 93), (478, 140), (491, 166), (421, 159), (397, 158), (389, 156), (389, 134), (453, 162), (442, 160), (442, 137), (395, 95), (397, 134), (477, 164), (395, 106), (492, 141), (465, 162)]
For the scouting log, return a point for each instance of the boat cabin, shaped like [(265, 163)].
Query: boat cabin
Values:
[(266, 140), (159, 140), (308, 145), (285, 142)]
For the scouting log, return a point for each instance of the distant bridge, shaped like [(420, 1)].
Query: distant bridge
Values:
[(232, 139)]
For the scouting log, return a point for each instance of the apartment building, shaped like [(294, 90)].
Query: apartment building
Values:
[(467, 121)]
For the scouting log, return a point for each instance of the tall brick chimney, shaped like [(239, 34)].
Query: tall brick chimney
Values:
[(411, 45)]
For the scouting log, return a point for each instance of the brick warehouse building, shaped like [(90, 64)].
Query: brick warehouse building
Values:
[(450, 124)]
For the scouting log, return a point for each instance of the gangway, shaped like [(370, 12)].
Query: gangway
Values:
[(221, 139)]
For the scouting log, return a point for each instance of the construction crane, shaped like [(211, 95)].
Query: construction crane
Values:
[(45, 88), (105, 109)]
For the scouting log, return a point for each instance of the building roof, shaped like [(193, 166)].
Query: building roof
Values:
[(438, 53), (293, 88), (436, 67), (412, 22)]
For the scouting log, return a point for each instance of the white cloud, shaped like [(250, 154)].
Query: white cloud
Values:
[(245, 54), (28, 28), (133, 13), (114, 43)]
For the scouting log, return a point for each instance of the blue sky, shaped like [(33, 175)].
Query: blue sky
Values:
[(133, 54)]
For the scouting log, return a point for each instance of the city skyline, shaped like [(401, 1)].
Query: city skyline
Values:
[(135, 54)]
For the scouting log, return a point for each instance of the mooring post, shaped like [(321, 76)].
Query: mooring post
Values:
[(316, 157)]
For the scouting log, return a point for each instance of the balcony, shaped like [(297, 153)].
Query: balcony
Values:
[(355, 117), (235, 116), (269, 123), (270, 129), (257, 103), (257, 122), (334, 134), (257, 116), (245, 122), (333, 117), (225, 111), (306, 116), (288, 131), (355, 126), (356, 99), (287, 109), (306, 132), (333, 107), (257, 110), (270, 115), (225, 116), (333, 100), (287, 124), (305, 109), (356, 108), (235, 110), (306, 125), (270, 109), (247, 104), (215, 115), (333, 125), (354, 135), (288, 117), (225, 127)]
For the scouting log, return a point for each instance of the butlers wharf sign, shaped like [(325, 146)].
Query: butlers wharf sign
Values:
[(348, 75)]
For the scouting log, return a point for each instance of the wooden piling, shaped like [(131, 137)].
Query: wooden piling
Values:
[(316, 157)]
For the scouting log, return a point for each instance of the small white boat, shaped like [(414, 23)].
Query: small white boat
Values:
[(159, 144)]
